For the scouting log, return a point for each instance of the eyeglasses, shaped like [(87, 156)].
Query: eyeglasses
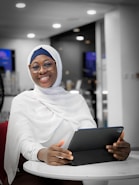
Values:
[(35, 68)]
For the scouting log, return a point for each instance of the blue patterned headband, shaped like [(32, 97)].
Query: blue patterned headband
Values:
[(40, 51)]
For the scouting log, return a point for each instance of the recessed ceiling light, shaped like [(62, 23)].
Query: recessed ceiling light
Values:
[(87, 42), (56, 25), (30, 35), (76, 30), (91, 12), (20, 5), (79, 37)]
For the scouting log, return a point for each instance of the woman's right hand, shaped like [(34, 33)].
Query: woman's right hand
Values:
[(55, 155)]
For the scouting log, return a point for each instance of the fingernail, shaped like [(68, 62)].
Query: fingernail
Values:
[(114, 144), (71, 158)]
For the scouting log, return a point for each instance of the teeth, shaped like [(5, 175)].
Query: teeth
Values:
[(44, 79)]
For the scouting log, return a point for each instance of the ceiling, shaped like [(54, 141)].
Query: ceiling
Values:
[(39, 15)]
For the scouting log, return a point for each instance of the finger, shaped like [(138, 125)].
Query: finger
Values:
[(57, 147), (57, 161), (55, 151), (62, 155), (121, 136), (60, 151), (120, 155), (118, 141), (121, 144), (61, 143), (121, 152)]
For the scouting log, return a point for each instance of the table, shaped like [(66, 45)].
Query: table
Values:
[(100, 173)]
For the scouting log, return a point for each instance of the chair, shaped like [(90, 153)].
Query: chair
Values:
[(3, 131)]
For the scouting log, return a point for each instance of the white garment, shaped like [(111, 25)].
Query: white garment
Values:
[(40, 118)]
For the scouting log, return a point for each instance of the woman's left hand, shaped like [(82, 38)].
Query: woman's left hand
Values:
[(120, 149)]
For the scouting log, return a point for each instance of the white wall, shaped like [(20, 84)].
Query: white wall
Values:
[(114, 62), (122, 55), (22, 49)]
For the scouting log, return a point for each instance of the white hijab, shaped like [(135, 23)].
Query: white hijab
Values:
[(44, 116)]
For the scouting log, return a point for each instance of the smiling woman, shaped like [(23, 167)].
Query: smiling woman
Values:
[(42, 121)]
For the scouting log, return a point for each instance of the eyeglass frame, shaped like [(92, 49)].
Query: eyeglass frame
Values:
[(48, 67)]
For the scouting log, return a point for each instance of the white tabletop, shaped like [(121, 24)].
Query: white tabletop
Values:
[(100, 171)]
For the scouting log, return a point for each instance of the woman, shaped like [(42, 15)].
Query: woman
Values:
[(43, 121)]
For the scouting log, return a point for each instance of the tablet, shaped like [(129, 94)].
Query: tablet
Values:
[(89, 145)]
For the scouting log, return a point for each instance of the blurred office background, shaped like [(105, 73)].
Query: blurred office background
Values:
[(103, 65)]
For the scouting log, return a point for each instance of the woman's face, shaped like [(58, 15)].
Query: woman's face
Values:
[(43, 71)]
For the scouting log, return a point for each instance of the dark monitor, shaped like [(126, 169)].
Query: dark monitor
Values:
[(89, 64), (7, 60)]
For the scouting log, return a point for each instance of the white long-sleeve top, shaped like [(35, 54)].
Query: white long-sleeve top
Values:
[(38, 120)]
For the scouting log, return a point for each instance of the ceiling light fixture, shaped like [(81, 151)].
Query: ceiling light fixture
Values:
[(87, 41), (76, 30), (91, 12), (56, 25), (20, 5), (80, 38), (30, 35)]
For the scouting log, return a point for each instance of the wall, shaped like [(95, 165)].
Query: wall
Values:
[(122, 43), (72, 51), (101, 88), (22, 49), (72, 58)]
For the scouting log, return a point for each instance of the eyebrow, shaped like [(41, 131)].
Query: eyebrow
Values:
[(46, 60)]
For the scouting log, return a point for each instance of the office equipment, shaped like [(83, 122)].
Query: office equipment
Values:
[(89, 145)]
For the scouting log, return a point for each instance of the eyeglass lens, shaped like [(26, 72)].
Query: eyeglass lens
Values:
[(46, 65)]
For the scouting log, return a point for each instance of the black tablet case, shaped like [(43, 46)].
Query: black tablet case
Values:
[(89, 145)]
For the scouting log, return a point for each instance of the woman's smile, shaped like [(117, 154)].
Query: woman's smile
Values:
[(44, 79)]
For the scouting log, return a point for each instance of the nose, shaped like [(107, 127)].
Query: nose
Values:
[(42, 70)]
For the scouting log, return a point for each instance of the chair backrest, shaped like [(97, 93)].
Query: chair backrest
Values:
[(3, 131)]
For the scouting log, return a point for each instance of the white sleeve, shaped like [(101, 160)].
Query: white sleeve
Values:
[(30, 150), (23, 137), (29, 147), (19, 139)]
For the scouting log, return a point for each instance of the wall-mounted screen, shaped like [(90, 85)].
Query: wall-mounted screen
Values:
[(7, 60), (89, 64)]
